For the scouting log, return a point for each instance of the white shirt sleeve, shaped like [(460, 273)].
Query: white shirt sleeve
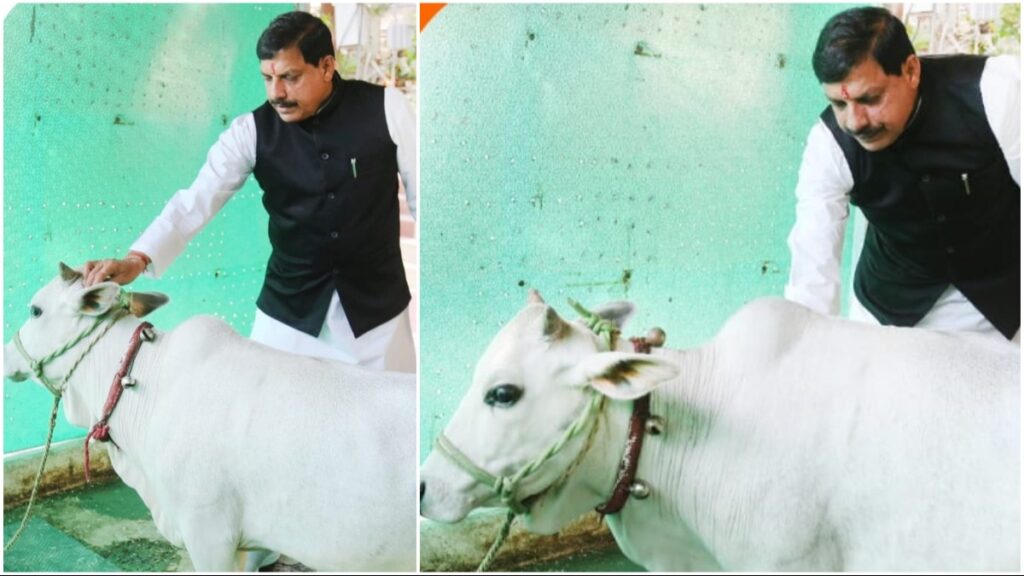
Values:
[(822, 209), (402, 127), (1000, 94), (230, 161)]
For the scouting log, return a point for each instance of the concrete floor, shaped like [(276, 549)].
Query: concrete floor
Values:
[(103, 528)]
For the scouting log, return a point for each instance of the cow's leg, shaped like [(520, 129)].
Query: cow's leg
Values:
[(210, 557), (212, 545), (207, 557), (240, 559)]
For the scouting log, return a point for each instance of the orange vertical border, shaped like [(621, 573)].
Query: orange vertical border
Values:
[(427, 13)]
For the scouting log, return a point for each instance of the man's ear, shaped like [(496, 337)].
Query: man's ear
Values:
[(96, 299), (912, 70), (143, 303), (328, 64), (624, 376)]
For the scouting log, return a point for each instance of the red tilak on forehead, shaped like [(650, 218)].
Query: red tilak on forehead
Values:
[(843, 91), (273, 70)]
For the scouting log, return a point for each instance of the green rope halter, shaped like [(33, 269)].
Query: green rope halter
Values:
[(505, 487), (602, 327), (116, 312)]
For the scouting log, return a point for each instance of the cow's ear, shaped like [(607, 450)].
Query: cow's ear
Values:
[(554, 326), (143, 303), (617, 312), (97, 299), (623, 376)]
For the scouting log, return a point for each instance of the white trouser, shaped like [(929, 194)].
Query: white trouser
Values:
[(386, 347), (952, 312)]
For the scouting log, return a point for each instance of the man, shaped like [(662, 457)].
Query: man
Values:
[(326, 153), (929, 150)]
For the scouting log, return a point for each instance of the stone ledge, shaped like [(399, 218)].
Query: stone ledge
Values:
[(65, 469), (460, 547)]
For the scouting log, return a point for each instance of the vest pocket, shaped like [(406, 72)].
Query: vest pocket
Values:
[(366, 166), (374, 177), (987, 192)]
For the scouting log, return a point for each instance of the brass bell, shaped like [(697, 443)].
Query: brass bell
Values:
[(148, 335), (655, 337), (128, 382), (639, 490), (654, 425)]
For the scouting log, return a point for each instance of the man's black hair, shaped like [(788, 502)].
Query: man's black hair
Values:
[(301, 29), (852, 35)]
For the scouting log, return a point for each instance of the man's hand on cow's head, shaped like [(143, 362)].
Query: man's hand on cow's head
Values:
[(111, 270)]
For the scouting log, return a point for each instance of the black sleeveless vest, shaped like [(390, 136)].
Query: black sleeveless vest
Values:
[(941, 205), (330, 185)]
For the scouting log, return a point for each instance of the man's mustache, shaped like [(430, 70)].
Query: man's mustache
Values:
[(867, 132), (283, 103)]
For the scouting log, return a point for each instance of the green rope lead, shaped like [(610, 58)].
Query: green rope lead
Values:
[(39, 475), (121, 310), (485, 564), (587, 417)]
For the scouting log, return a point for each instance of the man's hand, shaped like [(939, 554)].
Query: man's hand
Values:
[(120, 271)]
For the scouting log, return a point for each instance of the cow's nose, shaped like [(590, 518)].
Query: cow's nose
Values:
[(17, 376), (423, 489), (12, 369)]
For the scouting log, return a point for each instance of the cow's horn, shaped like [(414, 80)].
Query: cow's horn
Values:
[(69, 274), (534, 297), (554, 326)]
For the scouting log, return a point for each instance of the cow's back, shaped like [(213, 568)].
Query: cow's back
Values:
[(902, 444)]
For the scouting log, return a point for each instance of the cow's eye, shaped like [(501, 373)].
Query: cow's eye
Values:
[(35, 311), (503, 396)]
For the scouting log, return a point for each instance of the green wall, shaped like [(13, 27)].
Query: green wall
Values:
[(602, 152), (108, 110)]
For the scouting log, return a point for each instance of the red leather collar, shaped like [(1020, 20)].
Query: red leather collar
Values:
[(634, 443), (122, 380), (630, 460)]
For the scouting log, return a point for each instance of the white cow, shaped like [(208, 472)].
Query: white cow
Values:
[(233, 445), (791, 441)]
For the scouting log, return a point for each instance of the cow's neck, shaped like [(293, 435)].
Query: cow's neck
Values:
[(582, 486), (129, 423), (678, 525), (89, 386), (592, 482)]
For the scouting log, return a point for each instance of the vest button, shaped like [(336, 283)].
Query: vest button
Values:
[(334, 234), (325, 156), (926, 178), (330, 195), (940, 218), (950, 250)]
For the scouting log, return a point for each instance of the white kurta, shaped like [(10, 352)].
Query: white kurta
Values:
[(229, 163), (823, 195)]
